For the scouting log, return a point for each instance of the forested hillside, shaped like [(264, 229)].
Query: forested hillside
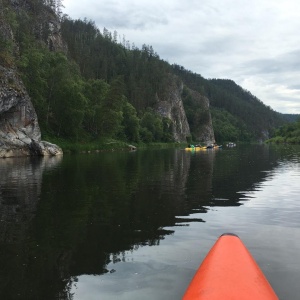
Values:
[(88, 84), (289, 133), (236, 113)]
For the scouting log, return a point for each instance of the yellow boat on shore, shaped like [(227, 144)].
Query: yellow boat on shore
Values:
[(198, 148), (195, 148)]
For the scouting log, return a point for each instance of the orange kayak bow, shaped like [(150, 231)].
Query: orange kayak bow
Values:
[(229, 272)]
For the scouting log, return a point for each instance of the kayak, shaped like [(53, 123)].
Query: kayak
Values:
[(229, 272), (214, 147), (198, 147), (195, 148)]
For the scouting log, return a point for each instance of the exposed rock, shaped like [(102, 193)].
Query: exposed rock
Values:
[(20, 133), (172, 108), (55, 41), (132, 148), (205, 132), (46, 27)]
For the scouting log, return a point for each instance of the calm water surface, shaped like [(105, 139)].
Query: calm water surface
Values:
[(137, 225)]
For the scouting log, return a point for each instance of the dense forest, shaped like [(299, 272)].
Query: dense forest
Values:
[(288, 133), (98, 85)]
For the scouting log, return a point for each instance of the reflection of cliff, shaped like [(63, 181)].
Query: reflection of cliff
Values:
[(145, 196), (20, 187), (199, 185)]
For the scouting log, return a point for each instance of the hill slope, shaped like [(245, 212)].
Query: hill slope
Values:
[(237, 114)]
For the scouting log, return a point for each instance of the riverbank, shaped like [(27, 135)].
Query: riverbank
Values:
[(107, 145), (285, 140)]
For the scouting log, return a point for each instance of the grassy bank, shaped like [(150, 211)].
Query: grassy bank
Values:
[(285, 140)]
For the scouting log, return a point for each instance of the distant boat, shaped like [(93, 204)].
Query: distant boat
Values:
[(230, 144), (214, 146), (195, 148), (198, 147)]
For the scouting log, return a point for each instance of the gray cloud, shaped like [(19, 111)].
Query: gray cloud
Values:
[(285, 63)]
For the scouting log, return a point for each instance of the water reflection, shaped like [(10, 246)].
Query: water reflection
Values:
[(20, 188), (62, 219)]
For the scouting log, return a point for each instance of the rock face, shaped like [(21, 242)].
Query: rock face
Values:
[(20, 134), (204, 133), (172, 108), (47, 24)]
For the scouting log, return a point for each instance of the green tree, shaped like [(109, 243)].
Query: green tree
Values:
[(152, 123), (95, 92), (112, 116), (69, 109), (130, 123), (34, 68)]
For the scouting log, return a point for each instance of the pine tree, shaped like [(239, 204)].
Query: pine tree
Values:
[(59, 6)]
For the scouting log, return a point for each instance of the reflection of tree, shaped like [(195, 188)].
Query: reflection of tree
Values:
[(240, 170), (92, 209), (199, 185), (143, 199), (217, 177), (20, 187)]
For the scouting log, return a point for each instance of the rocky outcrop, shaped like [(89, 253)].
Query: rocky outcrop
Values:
[(46, 27), (55, 41), (171, 107), (20, 134), (204, 132)]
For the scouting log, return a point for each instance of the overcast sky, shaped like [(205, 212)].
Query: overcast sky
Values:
[(256, 43)]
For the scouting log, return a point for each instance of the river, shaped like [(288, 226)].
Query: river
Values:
[(136, 225)]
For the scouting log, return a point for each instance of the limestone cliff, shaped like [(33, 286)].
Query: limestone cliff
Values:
[(204, 131), (19, 129), (20, 134), (172, 107)]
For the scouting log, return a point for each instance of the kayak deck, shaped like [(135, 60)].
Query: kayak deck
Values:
[(229, 272)]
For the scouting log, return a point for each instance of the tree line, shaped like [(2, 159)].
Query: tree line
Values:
[(288, 133)]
